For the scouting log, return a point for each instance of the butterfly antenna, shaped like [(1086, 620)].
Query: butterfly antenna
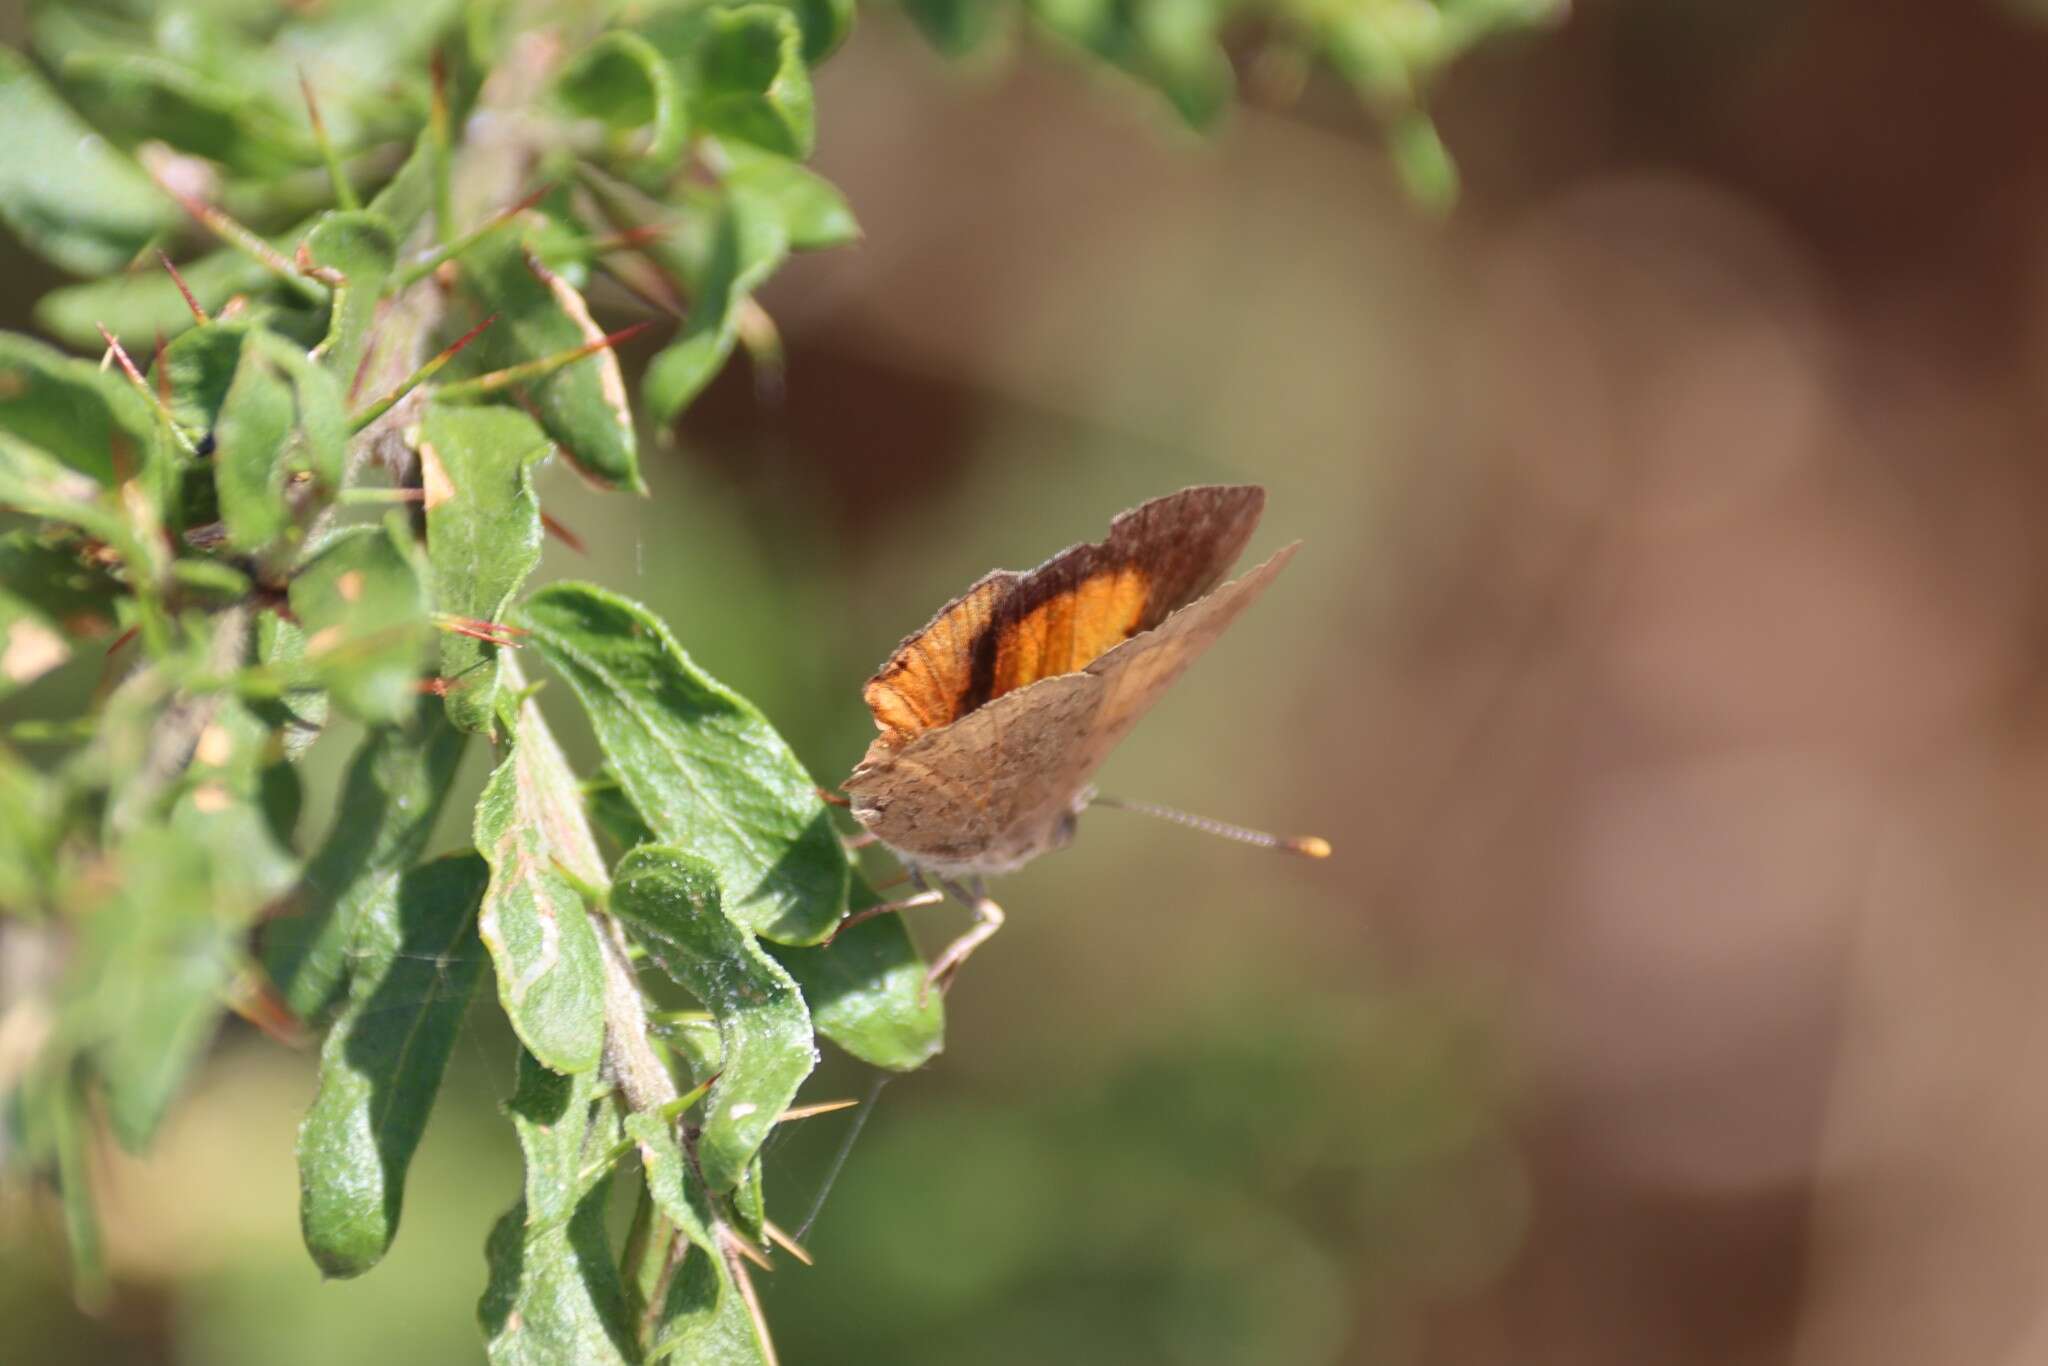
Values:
[(1311, 846)]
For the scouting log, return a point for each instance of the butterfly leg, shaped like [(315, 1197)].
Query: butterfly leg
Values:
[(988, 918), (925, 896)]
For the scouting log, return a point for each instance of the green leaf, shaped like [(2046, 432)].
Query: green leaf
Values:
[(751, 81), (146, 982), (864, 990), (251, 431), (613, 813), (670, 900), (49, 600), (705, 1319), (63, 191), (1427, 170), (622, 81), (743, 68), (747, 243), (550, 975), (147, 96), (362, 247), (298, 714), (1171, 45), (144, 303), (582, 405), (814, 215), (364, 610), (35, 483), (418, 962), (29, 806), (555, 1295), (229, 807), (826, 24), (90, 419), (389, 803), (704, 768), (82, 1239), (750, 1202), (197, 370), (483, 536), (959, 28)]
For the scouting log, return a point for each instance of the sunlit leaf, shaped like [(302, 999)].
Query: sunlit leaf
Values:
[(703, 767), (704, 1317), (555, 1295), (417, 965), (550, 976), (670, 900), (813, 214), (582, 406), (483, 536)]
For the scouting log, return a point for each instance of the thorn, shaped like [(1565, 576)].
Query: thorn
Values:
[(490, 632), (746, 1249), (120, 354), (831, 798), (313, 270), (785, 1242), (485, 385), (344, 193), (448, 252), (244, 241), (417, 377), (123, 639), (437, 129), (253, 997), (434, 687), (562, 534), (198, 313), (822, 1107), (163, 409), (631, 239)]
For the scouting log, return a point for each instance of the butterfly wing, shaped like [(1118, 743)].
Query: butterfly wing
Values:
[(1012, 630), (990, 791)]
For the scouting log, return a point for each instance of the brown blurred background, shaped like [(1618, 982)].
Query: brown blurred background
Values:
[(1665, 662)]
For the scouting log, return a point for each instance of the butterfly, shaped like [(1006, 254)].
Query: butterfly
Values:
[(996, 714)]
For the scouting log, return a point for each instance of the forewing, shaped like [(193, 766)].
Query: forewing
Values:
[(1012, 630)]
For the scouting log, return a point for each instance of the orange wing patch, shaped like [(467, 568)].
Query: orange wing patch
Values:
[(1071, 630), (925, 683)]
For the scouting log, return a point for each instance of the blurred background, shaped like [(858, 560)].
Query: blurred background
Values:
[(1664, 660)]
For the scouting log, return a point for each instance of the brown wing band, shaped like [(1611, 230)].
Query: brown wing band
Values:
[(1012, 629)]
